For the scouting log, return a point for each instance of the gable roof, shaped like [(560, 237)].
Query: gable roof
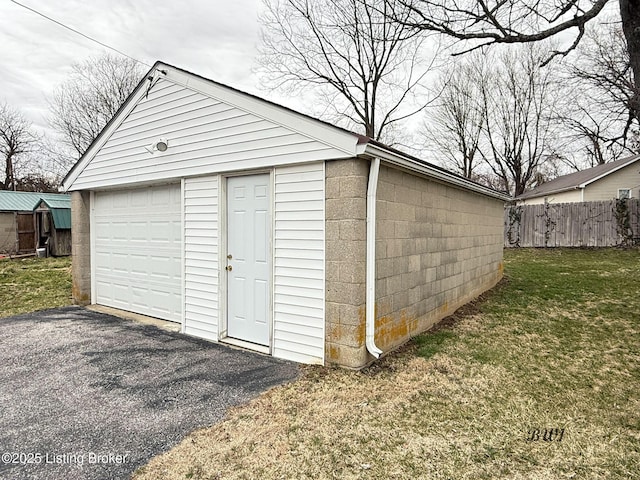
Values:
[(342, 143), (578, 180), (60, 208), (11, 201)]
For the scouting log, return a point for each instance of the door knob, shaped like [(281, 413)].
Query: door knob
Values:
[(228, 268), (229, 256)]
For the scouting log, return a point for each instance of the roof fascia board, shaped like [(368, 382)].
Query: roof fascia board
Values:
[(320, 131), (550, 192), (109, 129), (425, 169), (582, 185), (333, 136)]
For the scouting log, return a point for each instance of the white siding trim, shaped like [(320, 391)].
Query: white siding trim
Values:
[(623, 165), (105, 134), (182, 250), (335, 137), (299, 267), (201, 236), (211, 129), (205, 137), (92, 241), (272, 251)]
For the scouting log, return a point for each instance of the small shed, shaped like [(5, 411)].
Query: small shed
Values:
[(254, 225), (27, 222), (53, 225)]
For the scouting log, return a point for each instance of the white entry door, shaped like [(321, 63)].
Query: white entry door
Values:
[(248, 259)]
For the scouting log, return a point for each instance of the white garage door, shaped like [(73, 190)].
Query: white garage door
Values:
[(137, 250)]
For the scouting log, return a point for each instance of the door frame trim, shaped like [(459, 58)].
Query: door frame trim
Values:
[(222, 262), (92, 244)]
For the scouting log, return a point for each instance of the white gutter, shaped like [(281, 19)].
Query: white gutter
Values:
[(370, 319)]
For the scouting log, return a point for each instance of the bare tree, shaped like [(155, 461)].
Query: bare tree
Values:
[(503, 21), (592, 136), (16, 140), (363, 68), (519, 129), (630, 14), (498, 111), (598, 108), (454, 125), (94, 92), (485, 22)]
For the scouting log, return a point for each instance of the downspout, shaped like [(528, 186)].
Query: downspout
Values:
[(370, 319)]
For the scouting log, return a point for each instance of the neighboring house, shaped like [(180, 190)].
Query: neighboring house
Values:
[(251, 224), (31, 220), (619, 179)]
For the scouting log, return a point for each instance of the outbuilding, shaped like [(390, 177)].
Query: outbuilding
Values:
[(254, 225), (32, 220), (53, 225)]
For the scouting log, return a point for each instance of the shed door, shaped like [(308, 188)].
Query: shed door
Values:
[(248, 262), (137, 250), (26, 233)]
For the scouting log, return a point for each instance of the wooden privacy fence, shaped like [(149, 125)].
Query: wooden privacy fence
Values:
[(587, 224)]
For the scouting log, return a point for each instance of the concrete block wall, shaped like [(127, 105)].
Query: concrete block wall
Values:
[(81, 248), (345, 250), (8, 235), (437, 248)]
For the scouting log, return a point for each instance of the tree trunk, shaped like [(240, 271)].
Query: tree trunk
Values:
[(9, 181), (630, 14)]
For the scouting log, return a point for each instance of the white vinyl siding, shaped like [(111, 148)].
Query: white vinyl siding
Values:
[(137, 250), (201, 257), (299, 263), (205, 136)]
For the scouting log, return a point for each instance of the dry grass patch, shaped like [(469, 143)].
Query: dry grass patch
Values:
[(30, 284), (545, 350)]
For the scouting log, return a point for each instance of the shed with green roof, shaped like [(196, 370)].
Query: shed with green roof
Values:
[(33, 220)]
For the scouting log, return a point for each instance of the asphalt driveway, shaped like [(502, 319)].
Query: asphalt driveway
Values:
[(84, 395)]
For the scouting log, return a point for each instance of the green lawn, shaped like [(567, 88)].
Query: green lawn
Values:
[(538, 380), (31, 284)]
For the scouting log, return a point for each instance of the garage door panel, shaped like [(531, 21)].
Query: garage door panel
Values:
[(138, 250)]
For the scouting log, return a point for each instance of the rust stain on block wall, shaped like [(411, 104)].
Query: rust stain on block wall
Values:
[(351, 335), (333, 354), (393, 330), (79, 298)]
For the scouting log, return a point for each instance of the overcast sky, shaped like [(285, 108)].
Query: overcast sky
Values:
[(216, 39)]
